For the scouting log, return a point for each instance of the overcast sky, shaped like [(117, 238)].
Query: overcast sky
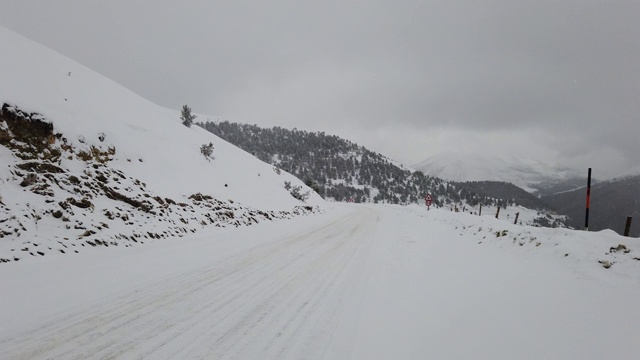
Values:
[(555, 80)]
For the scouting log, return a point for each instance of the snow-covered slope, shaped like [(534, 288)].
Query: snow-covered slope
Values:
[(110, 151), (525, 173)]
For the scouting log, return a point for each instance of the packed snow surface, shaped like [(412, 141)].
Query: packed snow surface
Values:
[(357, 282)]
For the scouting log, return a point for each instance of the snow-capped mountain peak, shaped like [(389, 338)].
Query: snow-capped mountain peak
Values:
[(528, 174)]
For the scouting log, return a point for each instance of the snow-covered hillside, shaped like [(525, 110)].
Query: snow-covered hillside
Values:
[(528, 174), (114, 168)]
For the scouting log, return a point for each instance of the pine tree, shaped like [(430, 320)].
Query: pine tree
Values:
[(186, 117), (207, 151)]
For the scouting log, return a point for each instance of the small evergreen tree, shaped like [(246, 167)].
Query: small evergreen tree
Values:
[(296, 191), (186, 117), (207, 150)]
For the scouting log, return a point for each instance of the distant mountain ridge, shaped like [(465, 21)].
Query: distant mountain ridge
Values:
[(507, 191), (533, 176)]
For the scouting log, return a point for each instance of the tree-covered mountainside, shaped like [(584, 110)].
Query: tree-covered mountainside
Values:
[(340, 170), (509, 193)]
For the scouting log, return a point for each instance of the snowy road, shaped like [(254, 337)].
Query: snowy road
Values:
[(359, 282), (280, 299)]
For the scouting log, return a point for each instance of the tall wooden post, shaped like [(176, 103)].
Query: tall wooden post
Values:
[(516, 222), (498, 212), (480, 212), (627, 226), (586, 218)]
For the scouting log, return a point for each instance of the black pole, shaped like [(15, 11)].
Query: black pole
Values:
[(627, 226), (586, 218)]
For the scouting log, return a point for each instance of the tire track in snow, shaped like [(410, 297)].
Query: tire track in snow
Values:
[(282, 299)]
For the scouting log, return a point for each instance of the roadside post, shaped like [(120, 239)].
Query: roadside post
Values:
[(627, 226), (586, 216)]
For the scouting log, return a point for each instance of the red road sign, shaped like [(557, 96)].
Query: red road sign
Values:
[(428, 200)]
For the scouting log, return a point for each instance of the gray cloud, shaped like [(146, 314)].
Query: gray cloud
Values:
[(484, 70)]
